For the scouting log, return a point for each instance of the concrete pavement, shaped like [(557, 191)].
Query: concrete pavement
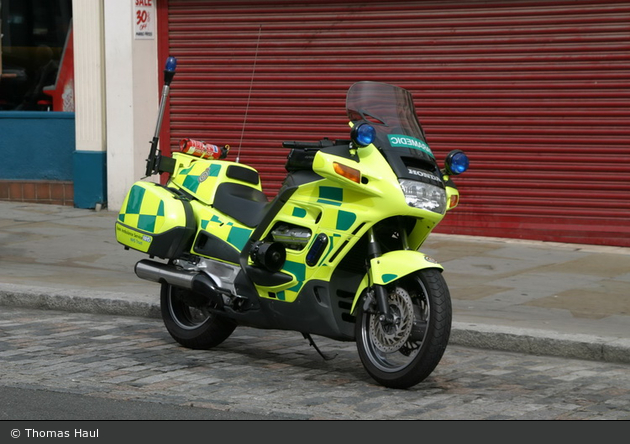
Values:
[(543, 298)]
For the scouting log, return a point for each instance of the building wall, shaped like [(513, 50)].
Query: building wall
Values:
[(36, 150), (36, 145)]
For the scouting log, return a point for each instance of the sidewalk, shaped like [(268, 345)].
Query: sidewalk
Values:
[(564, 300)]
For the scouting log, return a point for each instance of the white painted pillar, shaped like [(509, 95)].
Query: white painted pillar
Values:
[(89, 170), (89, 74), (132, 98)]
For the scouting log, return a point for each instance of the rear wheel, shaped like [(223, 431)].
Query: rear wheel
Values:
[(190, 325), (403, 353)]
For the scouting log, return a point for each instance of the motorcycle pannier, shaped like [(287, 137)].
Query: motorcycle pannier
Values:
[(156, 220)]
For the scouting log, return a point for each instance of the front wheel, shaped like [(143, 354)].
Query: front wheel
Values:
[(191, 324), (403, 353)]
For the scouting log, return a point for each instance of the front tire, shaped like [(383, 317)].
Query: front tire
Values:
[(404, 354), (192, 327)]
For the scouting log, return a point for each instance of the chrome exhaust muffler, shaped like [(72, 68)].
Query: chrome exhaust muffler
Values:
[(195, 281)]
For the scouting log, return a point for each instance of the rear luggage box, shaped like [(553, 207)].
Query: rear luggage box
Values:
[(155, 220), (202, 177)]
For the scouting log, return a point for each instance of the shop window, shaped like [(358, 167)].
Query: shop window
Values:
[(33, 34)]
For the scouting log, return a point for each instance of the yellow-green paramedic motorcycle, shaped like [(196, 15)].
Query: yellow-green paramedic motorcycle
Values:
[(334, 254)]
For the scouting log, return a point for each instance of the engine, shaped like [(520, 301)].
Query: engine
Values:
[(291, 236)]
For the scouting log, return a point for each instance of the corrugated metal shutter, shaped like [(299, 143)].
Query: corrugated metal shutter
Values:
[(536, 92)]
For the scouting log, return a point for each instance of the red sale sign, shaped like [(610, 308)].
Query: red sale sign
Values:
[(144, 19)]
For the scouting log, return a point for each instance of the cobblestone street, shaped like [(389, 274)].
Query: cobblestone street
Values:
[(271, 372)]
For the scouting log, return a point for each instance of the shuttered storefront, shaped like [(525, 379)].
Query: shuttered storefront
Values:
[(536, 92)]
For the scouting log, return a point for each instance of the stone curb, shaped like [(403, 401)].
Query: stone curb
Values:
[(77, 302), (518, 340), (541, 342)]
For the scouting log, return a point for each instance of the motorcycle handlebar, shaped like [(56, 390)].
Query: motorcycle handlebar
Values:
[(301, 145), (326, 142)]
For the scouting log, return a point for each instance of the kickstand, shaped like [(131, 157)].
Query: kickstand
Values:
[(310, 340)]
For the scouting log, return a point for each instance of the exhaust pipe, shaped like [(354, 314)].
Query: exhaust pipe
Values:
[(195, 281)]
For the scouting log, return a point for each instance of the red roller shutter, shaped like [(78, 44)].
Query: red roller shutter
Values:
[(536, 92)]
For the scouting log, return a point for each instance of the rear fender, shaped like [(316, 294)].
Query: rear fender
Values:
[(392, 266)]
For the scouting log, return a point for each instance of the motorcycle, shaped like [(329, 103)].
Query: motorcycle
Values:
[(334, 253)]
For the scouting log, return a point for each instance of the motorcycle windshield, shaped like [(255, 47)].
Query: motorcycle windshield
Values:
[(399, 135)]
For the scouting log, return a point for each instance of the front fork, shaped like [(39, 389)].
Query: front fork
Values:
[(379, 291)]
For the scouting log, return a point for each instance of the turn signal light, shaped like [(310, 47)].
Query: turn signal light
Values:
[(453, 201), (347, 172)]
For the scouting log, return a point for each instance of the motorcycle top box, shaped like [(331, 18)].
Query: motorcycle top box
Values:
[(201, 177)]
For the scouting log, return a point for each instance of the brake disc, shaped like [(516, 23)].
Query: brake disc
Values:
[(389, 338)]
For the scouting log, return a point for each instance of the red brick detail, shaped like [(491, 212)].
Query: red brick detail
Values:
[(37, 191)]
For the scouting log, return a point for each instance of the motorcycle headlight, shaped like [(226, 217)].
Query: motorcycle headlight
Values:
[(424, 196)]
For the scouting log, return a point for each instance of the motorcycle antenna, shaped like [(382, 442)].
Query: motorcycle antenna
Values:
[(249, 96)]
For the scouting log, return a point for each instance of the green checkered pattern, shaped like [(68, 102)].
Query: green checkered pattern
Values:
[(143, 211), (189, 178)]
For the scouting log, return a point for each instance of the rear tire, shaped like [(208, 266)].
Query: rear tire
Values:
[(192, 327), (402, 355)]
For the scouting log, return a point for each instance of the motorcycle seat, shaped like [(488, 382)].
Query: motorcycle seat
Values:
[(241, 202)]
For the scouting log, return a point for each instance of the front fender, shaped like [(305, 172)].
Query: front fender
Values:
[(392, 266)]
